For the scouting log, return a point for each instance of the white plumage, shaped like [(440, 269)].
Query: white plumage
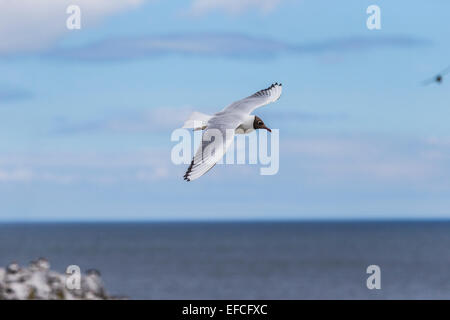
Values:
[(221, 127)]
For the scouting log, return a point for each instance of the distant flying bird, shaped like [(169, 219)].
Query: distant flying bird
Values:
[(437, 78), (236, 117)]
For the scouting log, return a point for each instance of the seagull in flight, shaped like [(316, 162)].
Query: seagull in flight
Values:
[(235, 118), (437, 78)]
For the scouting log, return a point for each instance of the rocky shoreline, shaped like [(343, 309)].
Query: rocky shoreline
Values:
[(38, 282)]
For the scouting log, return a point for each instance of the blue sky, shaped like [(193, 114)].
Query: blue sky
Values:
[(86, 115)]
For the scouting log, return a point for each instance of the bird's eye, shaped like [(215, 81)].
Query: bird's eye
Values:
[(260, 122)]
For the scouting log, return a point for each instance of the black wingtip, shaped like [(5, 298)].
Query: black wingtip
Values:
[(188, 171)]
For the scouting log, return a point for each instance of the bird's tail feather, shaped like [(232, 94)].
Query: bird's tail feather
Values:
[(197, 121)]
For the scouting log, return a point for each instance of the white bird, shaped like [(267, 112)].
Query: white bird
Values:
[(237, 117)]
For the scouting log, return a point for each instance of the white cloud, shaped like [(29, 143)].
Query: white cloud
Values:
[(371, 160), (15, 175), (228, 45), (96, 168), (233, 6), (31, 25), (319, 161), (155, 119)]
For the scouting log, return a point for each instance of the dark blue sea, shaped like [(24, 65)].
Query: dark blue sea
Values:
[(279, 260)]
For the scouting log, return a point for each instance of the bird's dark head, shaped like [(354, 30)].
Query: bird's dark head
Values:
[(259, 124)]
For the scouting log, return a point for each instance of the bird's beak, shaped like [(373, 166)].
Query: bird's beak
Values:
[(267, 129)]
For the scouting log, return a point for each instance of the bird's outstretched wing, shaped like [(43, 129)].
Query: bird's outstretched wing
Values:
[(445, 71), (259, 99), (215, 141), (428, 81)]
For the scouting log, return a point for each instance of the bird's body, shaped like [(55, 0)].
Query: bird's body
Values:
[(220, 128), (246, 126), (437, 78)]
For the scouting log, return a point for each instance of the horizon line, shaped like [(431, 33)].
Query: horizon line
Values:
[(228, 221)]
